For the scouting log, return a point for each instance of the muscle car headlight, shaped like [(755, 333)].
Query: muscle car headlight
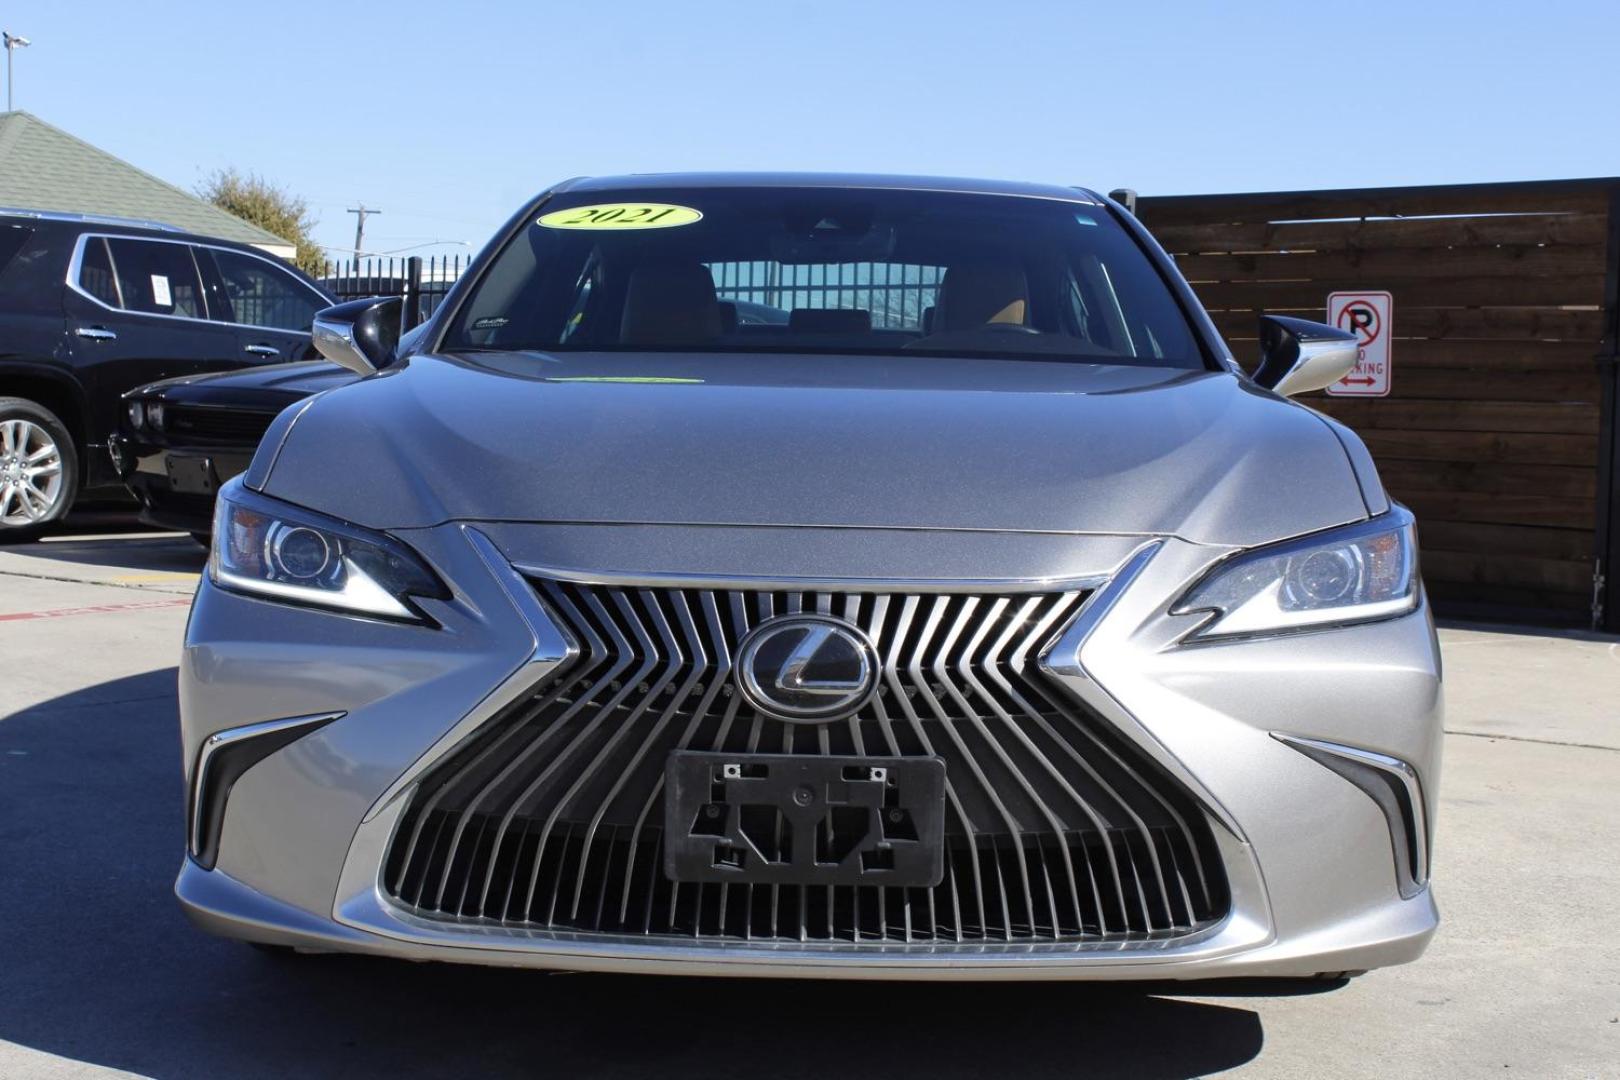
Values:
[(137, 415), (1357, 574), (269, 548)]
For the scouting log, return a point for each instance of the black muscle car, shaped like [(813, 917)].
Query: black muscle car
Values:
[(182, 438)]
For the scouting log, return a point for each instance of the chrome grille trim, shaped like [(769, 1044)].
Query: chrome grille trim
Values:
[(1048, 841), (788, 583)]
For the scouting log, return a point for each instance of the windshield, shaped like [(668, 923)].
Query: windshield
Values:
[(826, 270)]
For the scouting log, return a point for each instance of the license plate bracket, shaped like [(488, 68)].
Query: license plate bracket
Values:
[(785, 819), (191, 474)]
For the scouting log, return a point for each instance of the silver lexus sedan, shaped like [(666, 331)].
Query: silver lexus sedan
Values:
[(968, 614)]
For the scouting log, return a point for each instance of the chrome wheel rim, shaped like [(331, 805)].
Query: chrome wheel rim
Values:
[(30, 473)]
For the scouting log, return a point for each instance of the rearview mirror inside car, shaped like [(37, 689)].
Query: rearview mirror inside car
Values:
[(1297, 355), (361, 335)]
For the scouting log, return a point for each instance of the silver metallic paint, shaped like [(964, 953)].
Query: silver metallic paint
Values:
[(943, 473), (857, 441), (1212, 708), (246, 660), (1204, 712), (1372, 488), (1402, 772), (220, 739)]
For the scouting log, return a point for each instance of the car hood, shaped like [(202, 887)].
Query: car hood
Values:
[(271, 386), (915, 442)]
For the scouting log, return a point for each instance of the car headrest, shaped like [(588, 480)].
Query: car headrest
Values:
[(973, 294), (829, 321), (670, 303)]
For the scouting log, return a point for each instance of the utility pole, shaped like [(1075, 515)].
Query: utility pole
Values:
[(13, 42), (360, 213)]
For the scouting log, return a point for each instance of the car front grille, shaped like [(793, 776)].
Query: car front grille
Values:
[(230, 427), (1057, 829)]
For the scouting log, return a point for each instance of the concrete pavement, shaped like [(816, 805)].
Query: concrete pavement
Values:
[(100, 974)]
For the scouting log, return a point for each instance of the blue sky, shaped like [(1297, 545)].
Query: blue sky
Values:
[(447, 115)]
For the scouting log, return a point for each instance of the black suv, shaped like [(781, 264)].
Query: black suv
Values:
[(93, 307)]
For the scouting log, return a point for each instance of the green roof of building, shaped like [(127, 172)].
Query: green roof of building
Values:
[(44, 168)]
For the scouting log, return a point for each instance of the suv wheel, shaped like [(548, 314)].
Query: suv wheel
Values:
[(39, 469)]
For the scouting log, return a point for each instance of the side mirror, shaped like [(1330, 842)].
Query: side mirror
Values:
[(1297, 355), (362, 335)]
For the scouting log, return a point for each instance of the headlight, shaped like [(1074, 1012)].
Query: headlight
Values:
[(154, 415), (266, 547), (137, 415), (1355, 574)]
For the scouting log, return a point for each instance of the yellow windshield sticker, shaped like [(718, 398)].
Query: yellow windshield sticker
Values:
[(621, 216)]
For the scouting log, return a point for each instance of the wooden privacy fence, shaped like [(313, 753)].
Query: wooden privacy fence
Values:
[(1498, 429)]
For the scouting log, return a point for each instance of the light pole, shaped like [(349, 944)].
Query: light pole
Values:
[(13, 43)]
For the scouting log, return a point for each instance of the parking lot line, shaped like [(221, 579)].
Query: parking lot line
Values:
[(93, 609), (132, 579)]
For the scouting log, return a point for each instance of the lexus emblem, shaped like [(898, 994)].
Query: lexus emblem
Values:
[(806, 669)]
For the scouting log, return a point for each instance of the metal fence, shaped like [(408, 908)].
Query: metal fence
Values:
[(422, 283), (896, 294)]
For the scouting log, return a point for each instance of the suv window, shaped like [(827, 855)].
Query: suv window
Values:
[(261, 295), (157, 277), (96, 272), (12, 238)]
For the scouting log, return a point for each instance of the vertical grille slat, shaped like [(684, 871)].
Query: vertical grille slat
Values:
[(987, 662), (1063, 607), (622, 658), (1057, 829), (935, 618), (697, 664), (1016, 663), (673, 659), (902, 697)]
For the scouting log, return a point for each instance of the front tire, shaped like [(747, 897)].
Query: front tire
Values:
[(39, 469)]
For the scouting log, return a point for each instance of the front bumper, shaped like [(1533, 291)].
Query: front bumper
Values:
[(179, 496), (1307, 855)]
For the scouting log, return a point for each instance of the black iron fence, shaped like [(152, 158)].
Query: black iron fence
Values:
[(421, 282), (896, 295)]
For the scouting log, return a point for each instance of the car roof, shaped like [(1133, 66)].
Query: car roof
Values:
[(959, 185), (99, 223), (107, 225)]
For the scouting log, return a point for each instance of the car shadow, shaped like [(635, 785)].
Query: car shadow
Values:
[(101, 967), (155, 553)]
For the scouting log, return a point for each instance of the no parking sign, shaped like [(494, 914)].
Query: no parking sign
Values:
[(1368, 316)]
